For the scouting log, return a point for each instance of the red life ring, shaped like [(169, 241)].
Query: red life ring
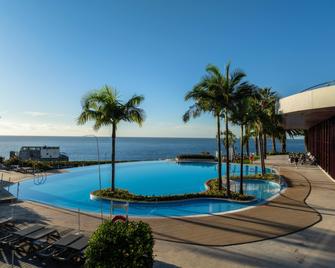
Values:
[(119, 218)]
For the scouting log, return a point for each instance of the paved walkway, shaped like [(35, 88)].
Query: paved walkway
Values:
[(286, 214), (312, 247), (176, 239)]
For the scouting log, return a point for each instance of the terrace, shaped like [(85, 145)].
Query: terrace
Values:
[(295, 227)]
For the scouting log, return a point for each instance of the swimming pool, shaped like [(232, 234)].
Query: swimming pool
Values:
[(72, 189)]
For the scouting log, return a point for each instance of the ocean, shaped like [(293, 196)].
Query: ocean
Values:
[(85, 148)]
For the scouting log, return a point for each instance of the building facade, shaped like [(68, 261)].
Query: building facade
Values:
[(46, 153), (314, 111)]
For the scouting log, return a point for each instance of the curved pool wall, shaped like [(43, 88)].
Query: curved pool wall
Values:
[(71, 190)]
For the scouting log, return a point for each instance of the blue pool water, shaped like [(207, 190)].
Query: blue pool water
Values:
[(72, 189)]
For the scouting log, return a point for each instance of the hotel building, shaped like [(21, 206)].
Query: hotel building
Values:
[(313, 110)]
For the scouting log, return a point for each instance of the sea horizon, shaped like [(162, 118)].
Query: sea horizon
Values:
[(81, 148), (151, 137)]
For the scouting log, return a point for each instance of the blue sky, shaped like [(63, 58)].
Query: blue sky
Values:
[(53, 52)]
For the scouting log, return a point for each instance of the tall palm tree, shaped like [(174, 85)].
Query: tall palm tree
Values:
[(282, 133), (104, 107), (247, 135), (231, 140), (242, 114), (231, 84), (266, 119), (215, 94), (207, 99), (271, 98)]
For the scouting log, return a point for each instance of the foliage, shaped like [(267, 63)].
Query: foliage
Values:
[(276, 153), (231, 138), (267, 176), (246, 160), (215, 94), (49, 165), (120, 245), (105, 108), (213, 191), (196, 156)]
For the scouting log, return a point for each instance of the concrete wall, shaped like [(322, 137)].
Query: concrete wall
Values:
[(49, 153), (312, 99), (306, 109)]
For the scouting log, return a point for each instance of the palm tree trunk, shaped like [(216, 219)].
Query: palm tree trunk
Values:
[(261, 145), (256, 145), (219, 152), (283, 144), (274, 147), (247, 134), (265, 145), (241, 164), (113, 155), (227, 159)]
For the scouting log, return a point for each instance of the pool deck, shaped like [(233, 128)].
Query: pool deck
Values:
[(295, 229)]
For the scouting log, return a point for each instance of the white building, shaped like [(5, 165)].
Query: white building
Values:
[(46, 153)]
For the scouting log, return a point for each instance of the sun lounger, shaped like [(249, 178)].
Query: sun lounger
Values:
[(73, 251), (59, 245), (18, 236), (5, 221), (7, 226), (34, 240)]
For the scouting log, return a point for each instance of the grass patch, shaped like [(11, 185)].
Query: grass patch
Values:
[(212, 192)]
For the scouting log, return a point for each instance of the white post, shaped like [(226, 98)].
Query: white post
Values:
[(13, 257), (12, 210), (8, 184), (101, 211), (127, 208), (17, 190), (78, 220), (111, 210)]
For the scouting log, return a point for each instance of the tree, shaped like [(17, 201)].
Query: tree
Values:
[(231, 140), (104, 107), (282, 133), (265, 118), (215, 94), (207, 99), (242, 114)]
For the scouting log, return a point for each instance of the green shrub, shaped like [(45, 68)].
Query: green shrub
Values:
[(48, 165), (196, 156), (120, 245), (212, 192)]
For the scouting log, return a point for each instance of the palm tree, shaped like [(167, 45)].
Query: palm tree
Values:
[(242, 114), (207, 99), (231, 140), (215, 94), (247, 135), (231, 83), (282, 133), (104, 107), (264, 103)]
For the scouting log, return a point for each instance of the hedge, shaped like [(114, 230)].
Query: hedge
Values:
[(212, 192), (120, 245)]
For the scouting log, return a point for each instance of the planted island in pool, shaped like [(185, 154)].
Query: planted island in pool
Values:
[(72, 190)]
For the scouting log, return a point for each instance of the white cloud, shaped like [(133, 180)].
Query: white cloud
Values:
[(149, 129), (45, 129), (38, 114)]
